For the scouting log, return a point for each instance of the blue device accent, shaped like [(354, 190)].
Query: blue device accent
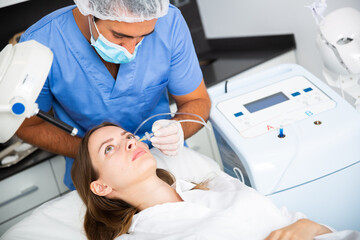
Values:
[(308, 89), (295, 94), (238, 114), (281, 134), (309, 113), (18, 108)]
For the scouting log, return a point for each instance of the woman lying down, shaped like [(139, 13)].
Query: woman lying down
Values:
[(128, 197)]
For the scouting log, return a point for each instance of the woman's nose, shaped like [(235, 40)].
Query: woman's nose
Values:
[(131, 144)]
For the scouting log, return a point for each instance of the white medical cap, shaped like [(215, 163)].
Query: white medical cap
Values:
[(124, 10)]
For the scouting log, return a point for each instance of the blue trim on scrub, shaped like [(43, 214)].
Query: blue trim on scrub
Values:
[(83, 93)]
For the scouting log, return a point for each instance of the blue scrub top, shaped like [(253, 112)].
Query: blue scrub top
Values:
[(83, 93)]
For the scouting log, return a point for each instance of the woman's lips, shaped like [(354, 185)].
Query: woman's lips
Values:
[(138, 153)]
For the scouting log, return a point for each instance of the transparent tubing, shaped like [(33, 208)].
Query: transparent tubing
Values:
[(195, 121), (180, 113)]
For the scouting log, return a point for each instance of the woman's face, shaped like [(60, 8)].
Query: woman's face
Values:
[(119, 158)]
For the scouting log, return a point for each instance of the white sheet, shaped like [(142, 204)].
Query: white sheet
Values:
[(62, 218), (229, 210)]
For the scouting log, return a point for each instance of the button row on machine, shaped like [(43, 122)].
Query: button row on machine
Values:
[(305, 90)]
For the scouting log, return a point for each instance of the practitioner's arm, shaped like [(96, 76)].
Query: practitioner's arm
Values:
[(303, 229)]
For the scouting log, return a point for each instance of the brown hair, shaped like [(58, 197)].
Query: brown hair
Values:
[(104, 218)]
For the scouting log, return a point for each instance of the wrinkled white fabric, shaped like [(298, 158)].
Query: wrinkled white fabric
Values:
[(124, 10), (229, 210), (168, 136)]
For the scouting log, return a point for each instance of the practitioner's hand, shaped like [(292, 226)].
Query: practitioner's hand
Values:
[(303, 229), (168, 136)]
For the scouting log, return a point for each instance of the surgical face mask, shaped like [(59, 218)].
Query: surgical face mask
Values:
[(109, 51)]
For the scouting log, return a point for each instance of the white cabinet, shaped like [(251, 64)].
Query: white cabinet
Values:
[(26, 190), (58, 166)]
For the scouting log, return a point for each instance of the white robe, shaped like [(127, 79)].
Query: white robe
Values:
[(229, 210)]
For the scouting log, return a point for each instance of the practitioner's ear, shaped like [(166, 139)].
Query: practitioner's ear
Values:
[(100, 189)]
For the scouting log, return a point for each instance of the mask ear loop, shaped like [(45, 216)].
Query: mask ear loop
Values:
[(91, 33), (94, 25)]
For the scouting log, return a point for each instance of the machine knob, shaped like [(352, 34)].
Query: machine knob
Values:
[(18, 108)]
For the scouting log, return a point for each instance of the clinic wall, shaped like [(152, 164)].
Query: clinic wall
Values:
[(18, 17), (239, 18)]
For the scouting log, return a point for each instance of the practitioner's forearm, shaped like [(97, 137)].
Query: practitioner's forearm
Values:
[(197, 102), (200, 107), (48, 137)]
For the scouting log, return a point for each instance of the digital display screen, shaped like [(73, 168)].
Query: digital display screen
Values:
[(266, 102)]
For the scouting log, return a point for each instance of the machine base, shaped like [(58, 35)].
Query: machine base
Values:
[(333, 200)]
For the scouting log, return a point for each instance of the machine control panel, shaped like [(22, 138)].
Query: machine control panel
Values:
[(274, 106)]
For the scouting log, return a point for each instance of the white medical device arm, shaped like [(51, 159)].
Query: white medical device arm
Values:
[(338, 41), (23, 71), (317, 9), (47, 117)]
